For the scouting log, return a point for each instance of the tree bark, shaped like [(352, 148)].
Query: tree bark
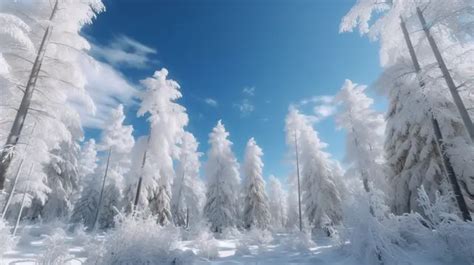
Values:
[(449, 170), (140, 179), (6, 154), (101, 196), (10, 195), (447, 77)]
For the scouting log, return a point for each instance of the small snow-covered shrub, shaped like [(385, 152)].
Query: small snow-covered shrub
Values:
[(140, 241), (257, 237), (229, 233), (57, 250), (454, 238), (253, 237), (7, 242), (372, 231), (207, 245), (299, 241)]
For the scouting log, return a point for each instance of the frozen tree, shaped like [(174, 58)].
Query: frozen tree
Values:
[(222, 172), (86, 205), (167, 121), (63, 180), (188, 189), (118, 139), (87, 159), (277, 203), (364, 134), (292, 203), (320, 177), (412, 155), (255, 210), (52, 68)]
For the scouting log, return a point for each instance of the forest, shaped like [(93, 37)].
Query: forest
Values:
[(404, 193)]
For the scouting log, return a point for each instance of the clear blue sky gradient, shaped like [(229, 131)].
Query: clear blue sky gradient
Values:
[(288, 50)]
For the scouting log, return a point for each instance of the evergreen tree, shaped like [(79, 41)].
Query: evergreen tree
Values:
[(320, 179), (277, 203), (256, 212), (412, 155), (86, 205), (222, 171), (167, 121), (188, 189), (117, 138), (364, 135)]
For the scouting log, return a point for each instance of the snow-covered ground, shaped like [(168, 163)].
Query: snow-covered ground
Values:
[(35, 248)]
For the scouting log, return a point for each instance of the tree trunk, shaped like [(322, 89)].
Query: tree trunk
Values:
[(140, 179), (447, 77), (6, 154), (299, 189), (22, 206), (12, 192), (99, 205), (437, 131)]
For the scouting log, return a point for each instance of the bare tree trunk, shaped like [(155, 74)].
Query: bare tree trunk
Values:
[(140, 179), (447, 77), (437, 131), (22, 206), (6, 154), (187, 217), (101, 196), (299, 189), (10, 195)]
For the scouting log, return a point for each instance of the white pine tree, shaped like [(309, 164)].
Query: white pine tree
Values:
[(188, 189), (86, 205), (117, 138), (412, 155), (255, 209), (277, 201), (292, 222), (364, 135), (320, 179), (222, 172), (167, 121), (59, 73)]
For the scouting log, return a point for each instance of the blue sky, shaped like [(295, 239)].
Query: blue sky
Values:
[(240, 61)]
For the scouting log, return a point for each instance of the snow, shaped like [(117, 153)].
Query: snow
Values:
[(280, 250)]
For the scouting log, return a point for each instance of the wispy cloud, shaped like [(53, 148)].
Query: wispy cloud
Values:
[(124, 51), (211, 102), (245, 107), (107, 88), (324, 106), (249, 91)]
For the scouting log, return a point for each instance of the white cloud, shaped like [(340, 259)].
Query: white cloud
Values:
[(324, 106), (245, 107), (249, 90), (124, 51), (324, 111), (211, 102), (107, 88), (324, 99)]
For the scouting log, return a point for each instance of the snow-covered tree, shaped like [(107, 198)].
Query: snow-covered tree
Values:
[(167, 121), (320, 179), (188, 189), (86, 205), (277, 203), (118, 139), (46, 74), (292, 222), (223, 180), (364, 134), (412, 155), (255, 210)]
